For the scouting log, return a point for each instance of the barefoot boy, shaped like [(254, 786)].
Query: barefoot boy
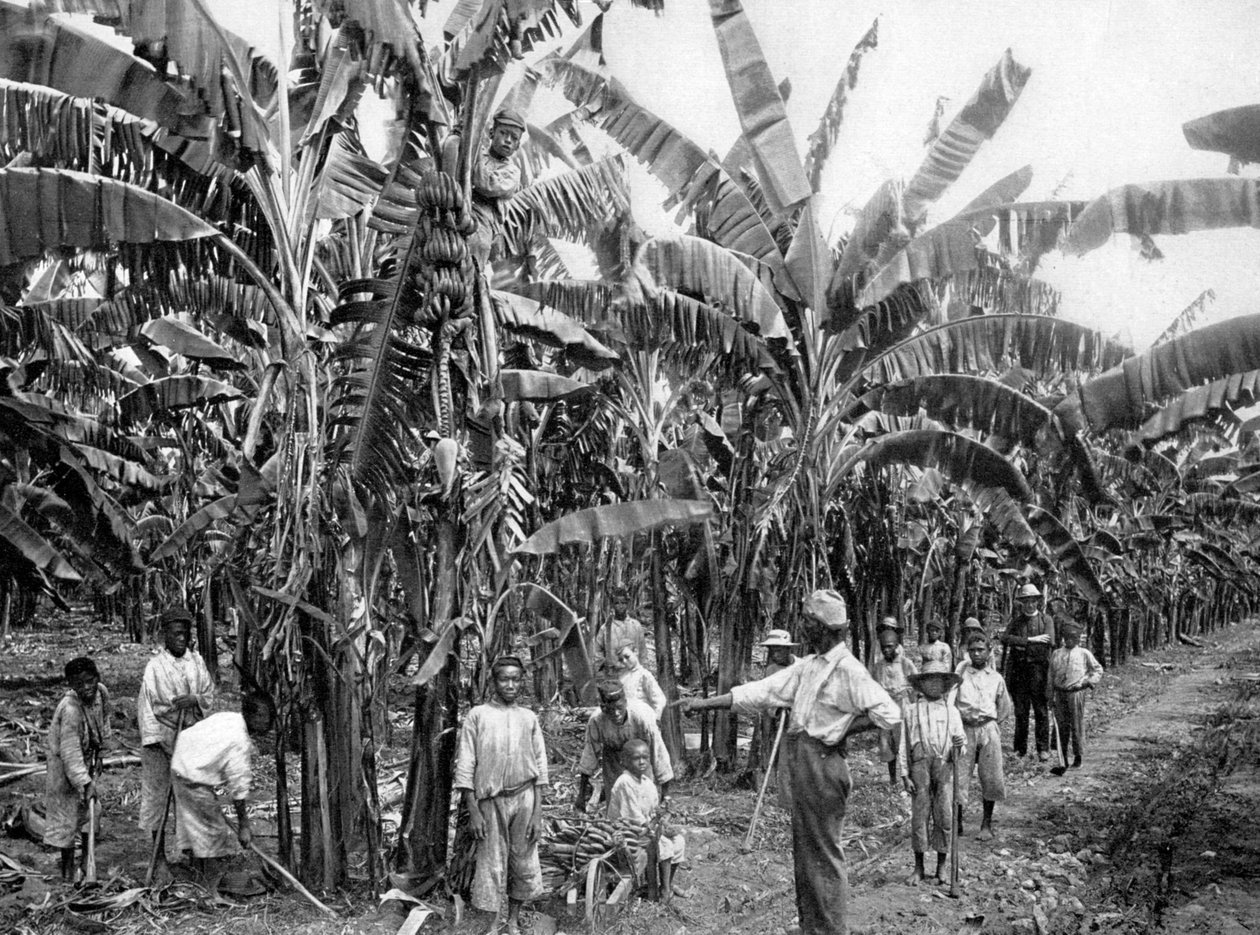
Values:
[(893, 670), (1073, 671), (500, 765), (931, 736), (983, 703), (76, 737), (634, 796)]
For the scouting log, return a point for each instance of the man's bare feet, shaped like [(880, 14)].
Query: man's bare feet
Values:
[(986, 833), (914, 879)]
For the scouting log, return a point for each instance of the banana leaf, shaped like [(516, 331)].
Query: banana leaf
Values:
[(964, 461), (537, 316), (1227, 393), (1235, 132), (179, 336), (539, 386), (1067, 553), (172, 394), (759, 104), (28, 546), (1180, 206), (689, 264), (822, 140), (196, 524), (618, 519), (348, 182), (953, 150), (85, 212), (1123, 396), (568, 204), (962, 401)]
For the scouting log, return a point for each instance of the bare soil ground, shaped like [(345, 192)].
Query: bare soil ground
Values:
[(1156, 831)]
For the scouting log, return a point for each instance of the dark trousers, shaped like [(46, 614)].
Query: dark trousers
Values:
[(1069, 714), (819, 777), (1026, 683)]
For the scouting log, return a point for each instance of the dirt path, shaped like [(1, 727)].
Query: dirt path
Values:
[(1049, 868)]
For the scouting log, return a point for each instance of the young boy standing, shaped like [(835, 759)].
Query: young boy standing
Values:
[(931, 736), (936, 650), (1073, 671), (893, 670), (500, 765), (615, 633), (635, 797), (76, 736), (983, 703), (639, 683)]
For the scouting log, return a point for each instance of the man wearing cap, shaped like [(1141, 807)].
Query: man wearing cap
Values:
[(831, 696), (616, 723), (176, 689), (495, 177), (500, 764), (1028, 639)]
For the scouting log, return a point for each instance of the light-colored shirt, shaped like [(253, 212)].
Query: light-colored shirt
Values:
[(635, 799), (937, 651), (928, 730), (165, 679), (500, 750), (982, 694), (604, 741), (495, 178), (216, 752), (76, 736), (1074, 668), (612, 636), (641, 685), (825, 692), (894, 677)]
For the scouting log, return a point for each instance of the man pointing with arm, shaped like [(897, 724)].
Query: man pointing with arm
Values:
[(831, 696)]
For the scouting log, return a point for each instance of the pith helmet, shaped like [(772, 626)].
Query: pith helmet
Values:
[(778, 638), (1029, 590)]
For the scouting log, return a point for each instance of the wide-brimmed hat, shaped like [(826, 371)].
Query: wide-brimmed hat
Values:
[(1028, 590), (936, 668), (778, 638), (971, 623), (828, 607)]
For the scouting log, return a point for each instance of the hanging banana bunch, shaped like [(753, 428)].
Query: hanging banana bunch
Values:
[(443, 275)]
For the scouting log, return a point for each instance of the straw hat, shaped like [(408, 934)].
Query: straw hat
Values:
[(1029, 590), (778, 638), (936, 668)]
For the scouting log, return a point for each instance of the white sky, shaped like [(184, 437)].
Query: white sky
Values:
[(1112, 83)]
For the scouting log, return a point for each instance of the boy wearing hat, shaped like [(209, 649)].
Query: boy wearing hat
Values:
[(500, 766), (779, 655), (1028, 639), (831, 696), (616, 723), (893, 670), (983, 703), (176, 691), (1073, 672), (76, 736), (932, 736)]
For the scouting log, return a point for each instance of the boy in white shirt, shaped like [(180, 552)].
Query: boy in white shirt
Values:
[(893, 670), (1073, 671), (983, 703), (931, 736), (635, 797), (639, 683)]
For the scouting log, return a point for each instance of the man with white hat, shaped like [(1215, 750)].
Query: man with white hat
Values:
[(1029, 639), (779, 645), (831, 696)]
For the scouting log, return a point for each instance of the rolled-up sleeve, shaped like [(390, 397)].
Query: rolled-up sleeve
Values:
[(773, 691), (869, 697)]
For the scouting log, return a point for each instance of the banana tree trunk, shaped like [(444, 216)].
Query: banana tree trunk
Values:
[(671, 727)]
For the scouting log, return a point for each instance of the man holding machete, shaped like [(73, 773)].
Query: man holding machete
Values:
[(831, 696)]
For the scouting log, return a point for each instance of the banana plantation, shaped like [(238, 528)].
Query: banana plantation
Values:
[(374, 434)]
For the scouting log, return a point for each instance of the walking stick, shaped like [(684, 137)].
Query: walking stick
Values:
[(774, 752), (953, 837), (160, 839), (1056, 738), (291, 880), (89, 856)]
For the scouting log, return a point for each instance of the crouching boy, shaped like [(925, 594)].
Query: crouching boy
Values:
[(500, 765), (931, 737), (635, 797)]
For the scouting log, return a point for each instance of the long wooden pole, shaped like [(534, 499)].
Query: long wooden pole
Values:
[(953, 836), (292, 880), (89, 857), (765, 782)]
